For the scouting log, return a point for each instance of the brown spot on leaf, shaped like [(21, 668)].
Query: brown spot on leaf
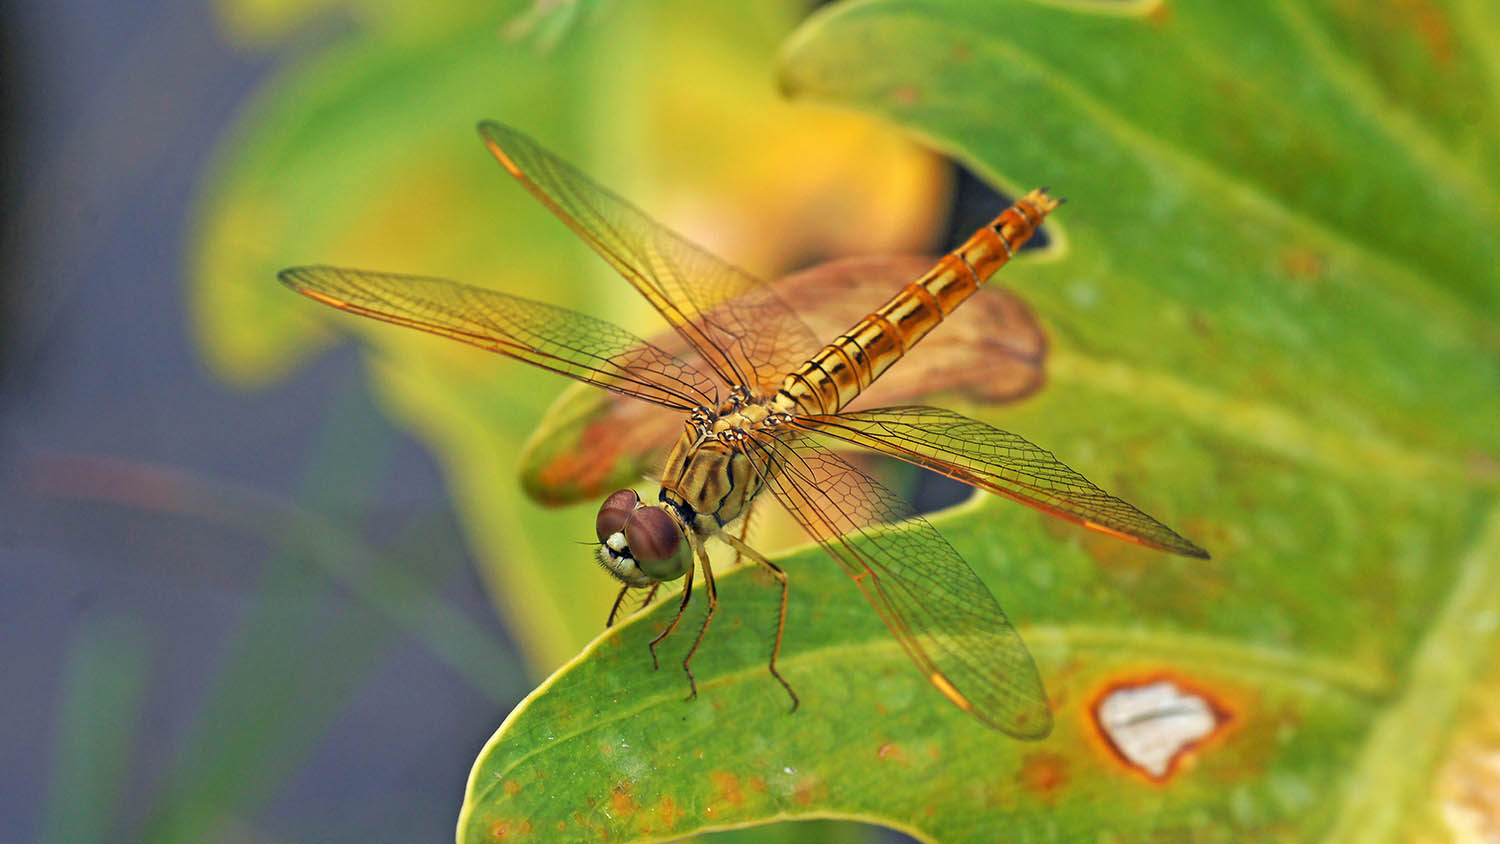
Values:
[(506, 830), (620, 800), (512, 788), (1483, 467), (1043, 774), (668, 812), (1304, 263), (728, 786), (1159, 15), (891, 752), (906, 95), (1431, 25), (757, 784), (808, 789)]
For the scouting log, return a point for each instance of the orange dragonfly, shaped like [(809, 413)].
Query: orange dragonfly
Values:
[(763, 403), (991, 351)]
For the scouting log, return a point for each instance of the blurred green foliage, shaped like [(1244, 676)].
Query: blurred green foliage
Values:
[(1272, 303)]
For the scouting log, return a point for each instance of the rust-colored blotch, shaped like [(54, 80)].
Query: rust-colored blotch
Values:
[(806, 790), (891, 752), (668, 812), (1043, 773), (1303, 262), (501, 830), (620, 800), (728, 787)]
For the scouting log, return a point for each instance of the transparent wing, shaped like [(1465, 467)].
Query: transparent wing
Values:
[(986, 457), (746, 334), (935, 605), (989, 351), (553, 338)]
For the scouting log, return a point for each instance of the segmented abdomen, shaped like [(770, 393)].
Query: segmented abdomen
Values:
[(841, 370)]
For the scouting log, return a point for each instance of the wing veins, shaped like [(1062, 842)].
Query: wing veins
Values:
[(511, 326), (933, 603), (1000, 462)]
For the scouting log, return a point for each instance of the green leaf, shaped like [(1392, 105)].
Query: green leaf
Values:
[(1273, 305)]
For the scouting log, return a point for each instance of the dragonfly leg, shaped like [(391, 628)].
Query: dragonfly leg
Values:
[(777, 572), (713, 604), (615, 609), (687, 593), (744, 532), (650, 596)]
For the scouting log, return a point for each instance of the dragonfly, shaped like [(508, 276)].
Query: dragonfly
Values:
[(763, 404), (991, 351)]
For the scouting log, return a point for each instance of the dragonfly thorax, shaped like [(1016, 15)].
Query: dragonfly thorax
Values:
[(707, 474)]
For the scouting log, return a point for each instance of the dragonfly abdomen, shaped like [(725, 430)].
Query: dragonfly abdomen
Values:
[(841, 370)]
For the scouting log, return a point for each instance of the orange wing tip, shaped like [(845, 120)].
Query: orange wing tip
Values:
[(487, 132), (1181, 546), (324, 298), (949, 692)]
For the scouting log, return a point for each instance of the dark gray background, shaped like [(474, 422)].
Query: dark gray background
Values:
[(111, 110)]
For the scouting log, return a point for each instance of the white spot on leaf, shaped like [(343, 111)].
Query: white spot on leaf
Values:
[(1151, 725)]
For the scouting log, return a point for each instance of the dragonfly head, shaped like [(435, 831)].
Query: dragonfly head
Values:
[(641, 544)]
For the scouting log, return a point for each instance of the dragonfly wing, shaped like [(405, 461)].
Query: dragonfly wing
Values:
[(743, 330), (553, 338), (935, 605), (991, 350), (986, 457)]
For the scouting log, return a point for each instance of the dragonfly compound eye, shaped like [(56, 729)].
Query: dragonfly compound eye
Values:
[(613, 513), (657, 544)]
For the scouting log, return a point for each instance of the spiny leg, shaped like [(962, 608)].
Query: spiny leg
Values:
[(780, 575), (713, 604), (650, 596), (614, 610), (687, 593)]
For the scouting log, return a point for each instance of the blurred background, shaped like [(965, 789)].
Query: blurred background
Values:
[(240, 603), (270, 574), (184, 664)]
